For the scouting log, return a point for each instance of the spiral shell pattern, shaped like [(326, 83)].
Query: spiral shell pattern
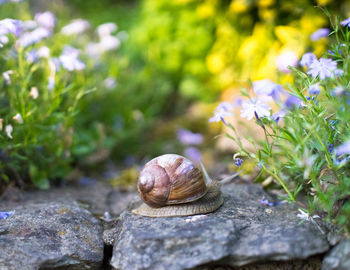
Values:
[(170, 179)]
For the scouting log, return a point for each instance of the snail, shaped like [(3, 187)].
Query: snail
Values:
[(171, 185)]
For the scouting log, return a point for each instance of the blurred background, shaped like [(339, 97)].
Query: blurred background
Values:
[(155, 90)]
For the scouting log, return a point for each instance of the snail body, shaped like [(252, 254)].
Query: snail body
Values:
[(171, 185)]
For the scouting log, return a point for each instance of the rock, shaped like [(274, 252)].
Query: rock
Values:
[(338, 258), (98, 198), (51, 235), (241, 232)]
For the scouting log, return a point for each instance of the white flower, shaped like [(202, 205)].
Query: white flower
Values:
[(109, 43), (324, 68), (33, 37), (268, 88), (69, 59), (254, 106), (8, 130), (18, 118), (29, 25), (305, 216), (110, 82), (222, 110), (285, 59), (51, 83), (10, 26), (46, 20), (343, 148), (43, 52), (34, 93), (106, 29), (7, 77), (75, 27)]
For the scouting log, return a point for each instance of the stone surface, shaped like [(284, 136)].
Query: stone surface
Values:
[(51, 235), (241, 232), (313, 263), (338, 258), (98, 197)]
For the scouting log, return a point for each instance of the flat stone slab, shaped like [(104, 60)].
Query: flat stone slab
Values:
[(338, 258), (98, 197), (241, 232), (51, 235)]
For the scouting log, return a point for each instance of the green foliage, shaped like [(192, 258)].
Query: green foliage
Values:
[(303, 153), (43, 127)]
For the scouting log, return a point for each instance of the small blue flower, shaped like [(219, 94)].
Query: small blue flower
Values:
[(314, 89), (266, 202), (346, 22), (278, 115), (313, 99), (292, 102), (320, 33), (238, 162), (6, 215), (330, 148), (307, 59)]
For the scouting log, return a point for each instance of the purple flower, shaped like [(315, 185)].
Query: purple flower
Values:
[(33, 37), (267, 87), (307, 59), (10, 26), (343, 148), (346, 22), (292, 101), (69, 59), (193, 154), (46, 20), (323, 68), (6, 215), (238, 162), (254, 107), (285, 59), (222, 110), (314, 89), (226, 106), (320, 33), (32, 56), (278, 115), (266, 202), (187, 137)]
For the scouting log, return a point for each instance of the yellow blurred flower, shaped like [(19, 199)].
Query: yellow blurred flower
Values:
[(215, 63), (266, 3), (239, 6), (206, 10)]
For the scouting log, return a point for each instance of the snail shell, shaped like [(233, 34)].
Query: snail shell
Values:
[(171, 185)]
